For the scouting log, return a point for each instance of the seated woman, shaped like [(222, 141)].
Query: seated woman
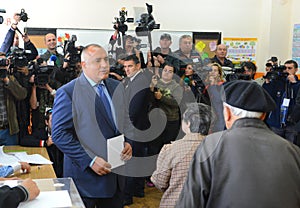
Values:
[(174, 159)]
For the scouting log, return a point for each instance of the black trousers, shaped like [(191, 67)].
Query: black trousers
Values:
[(114, 202)]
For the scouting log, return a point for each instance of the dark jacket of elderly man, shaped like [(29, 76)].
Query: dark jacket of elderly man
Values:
[(247, 165)]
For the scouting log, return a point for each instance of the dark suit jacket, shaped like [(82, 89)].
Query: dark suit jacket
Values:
[(137, 98), (11, 197), (80, 128)]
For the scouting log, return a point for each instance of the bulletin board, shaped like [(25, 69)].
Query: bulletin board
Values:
[(241, 49), (206, 43)]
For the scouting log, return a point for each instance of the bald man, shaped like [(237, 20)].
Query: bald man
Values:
[(87, 112), (51, 42), (220, 57)]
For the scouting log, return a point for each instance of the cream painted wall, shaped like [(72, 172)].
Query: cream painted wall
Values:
[(271, 21)]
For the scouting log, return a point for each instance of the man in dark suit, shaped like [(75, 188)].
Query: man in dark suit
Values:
[(137, 93), (87, 112)]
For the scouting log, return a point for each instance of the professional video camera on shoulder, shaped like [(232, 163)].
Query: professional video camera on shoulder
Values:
[(18, 57), (73, 52), (42, 73), (120, 21), (147, 23), (276, 73), (237, 74)]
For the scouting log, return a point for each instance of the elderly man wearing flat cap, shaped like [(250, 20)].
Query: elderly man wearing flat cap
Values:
[(247, 165)]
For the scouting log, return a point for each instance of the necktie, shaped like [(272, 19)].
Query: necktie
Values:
[(105, 102)]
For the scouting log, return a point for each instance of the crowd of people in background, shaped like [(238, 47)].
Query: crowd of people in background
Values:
[(188, 90)]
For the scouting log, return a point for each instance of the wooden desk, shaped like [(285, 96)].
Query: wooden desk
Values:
[(37, 171)]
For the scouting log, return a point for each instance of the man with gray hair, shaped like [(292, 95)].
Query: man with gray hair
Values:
[(247, 165)]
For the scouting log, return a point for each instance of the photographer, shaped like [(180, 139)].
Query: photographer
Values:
[(10, 92), (42, 93), (282, 84), (12, 39), (129, 48), (164, 54), (249, 68), (192, 82), (71, 68), (44, 139)]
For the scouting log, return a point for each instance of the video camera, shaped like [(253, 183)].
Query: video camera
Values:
[(120, 21), (18, 57), (42, 73), (237, 74), (147, 23), (276, 73), (3, 71), (1, 18), (74, 52)]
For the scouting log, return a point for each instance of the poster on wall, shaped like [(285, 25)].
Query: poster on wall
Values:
[(296, 43), (241, 49)]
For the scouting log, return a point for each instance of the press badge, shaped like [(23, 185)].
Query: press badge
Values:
[(286, 102), (195, 60)]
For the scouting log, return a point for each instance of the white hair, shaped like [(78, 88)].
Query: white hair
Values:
[(243, 113)]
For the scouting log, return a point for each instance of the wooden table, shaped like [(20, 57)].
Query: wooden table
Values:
[(37, 171)]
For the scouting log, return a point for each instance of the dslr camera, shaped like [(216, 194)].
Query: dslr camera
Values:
[(23, 15)]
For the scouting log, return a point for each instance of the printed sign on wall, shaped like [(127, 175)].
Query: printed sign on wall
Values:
[(241, 49)]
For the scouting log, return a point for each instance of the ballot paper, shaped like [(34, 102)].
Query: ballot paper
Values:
[(115, 146), (13, 157), (45, 200)]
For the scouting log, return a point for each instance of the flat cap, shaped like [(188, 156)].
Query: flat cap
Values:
[(165, 36), (247, 95)]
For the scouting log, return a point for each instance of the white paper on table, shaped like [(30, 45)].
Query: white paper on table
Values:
[(6, 159), (32, 159), (14, 157), (49, 199), (115, 146)]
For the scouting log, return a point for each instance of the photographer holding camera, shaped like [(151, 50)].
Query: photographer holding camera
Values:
[(42, 93), (129, 49), (12, 39), (10, 92), (283, 85)]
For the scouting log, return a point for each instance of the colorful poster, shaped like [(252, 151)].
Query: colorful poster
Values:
[(241, 49), (296, 43)]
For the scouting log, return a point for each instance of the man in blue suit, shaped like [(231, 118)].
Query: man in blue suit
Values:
[(82, 124)]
